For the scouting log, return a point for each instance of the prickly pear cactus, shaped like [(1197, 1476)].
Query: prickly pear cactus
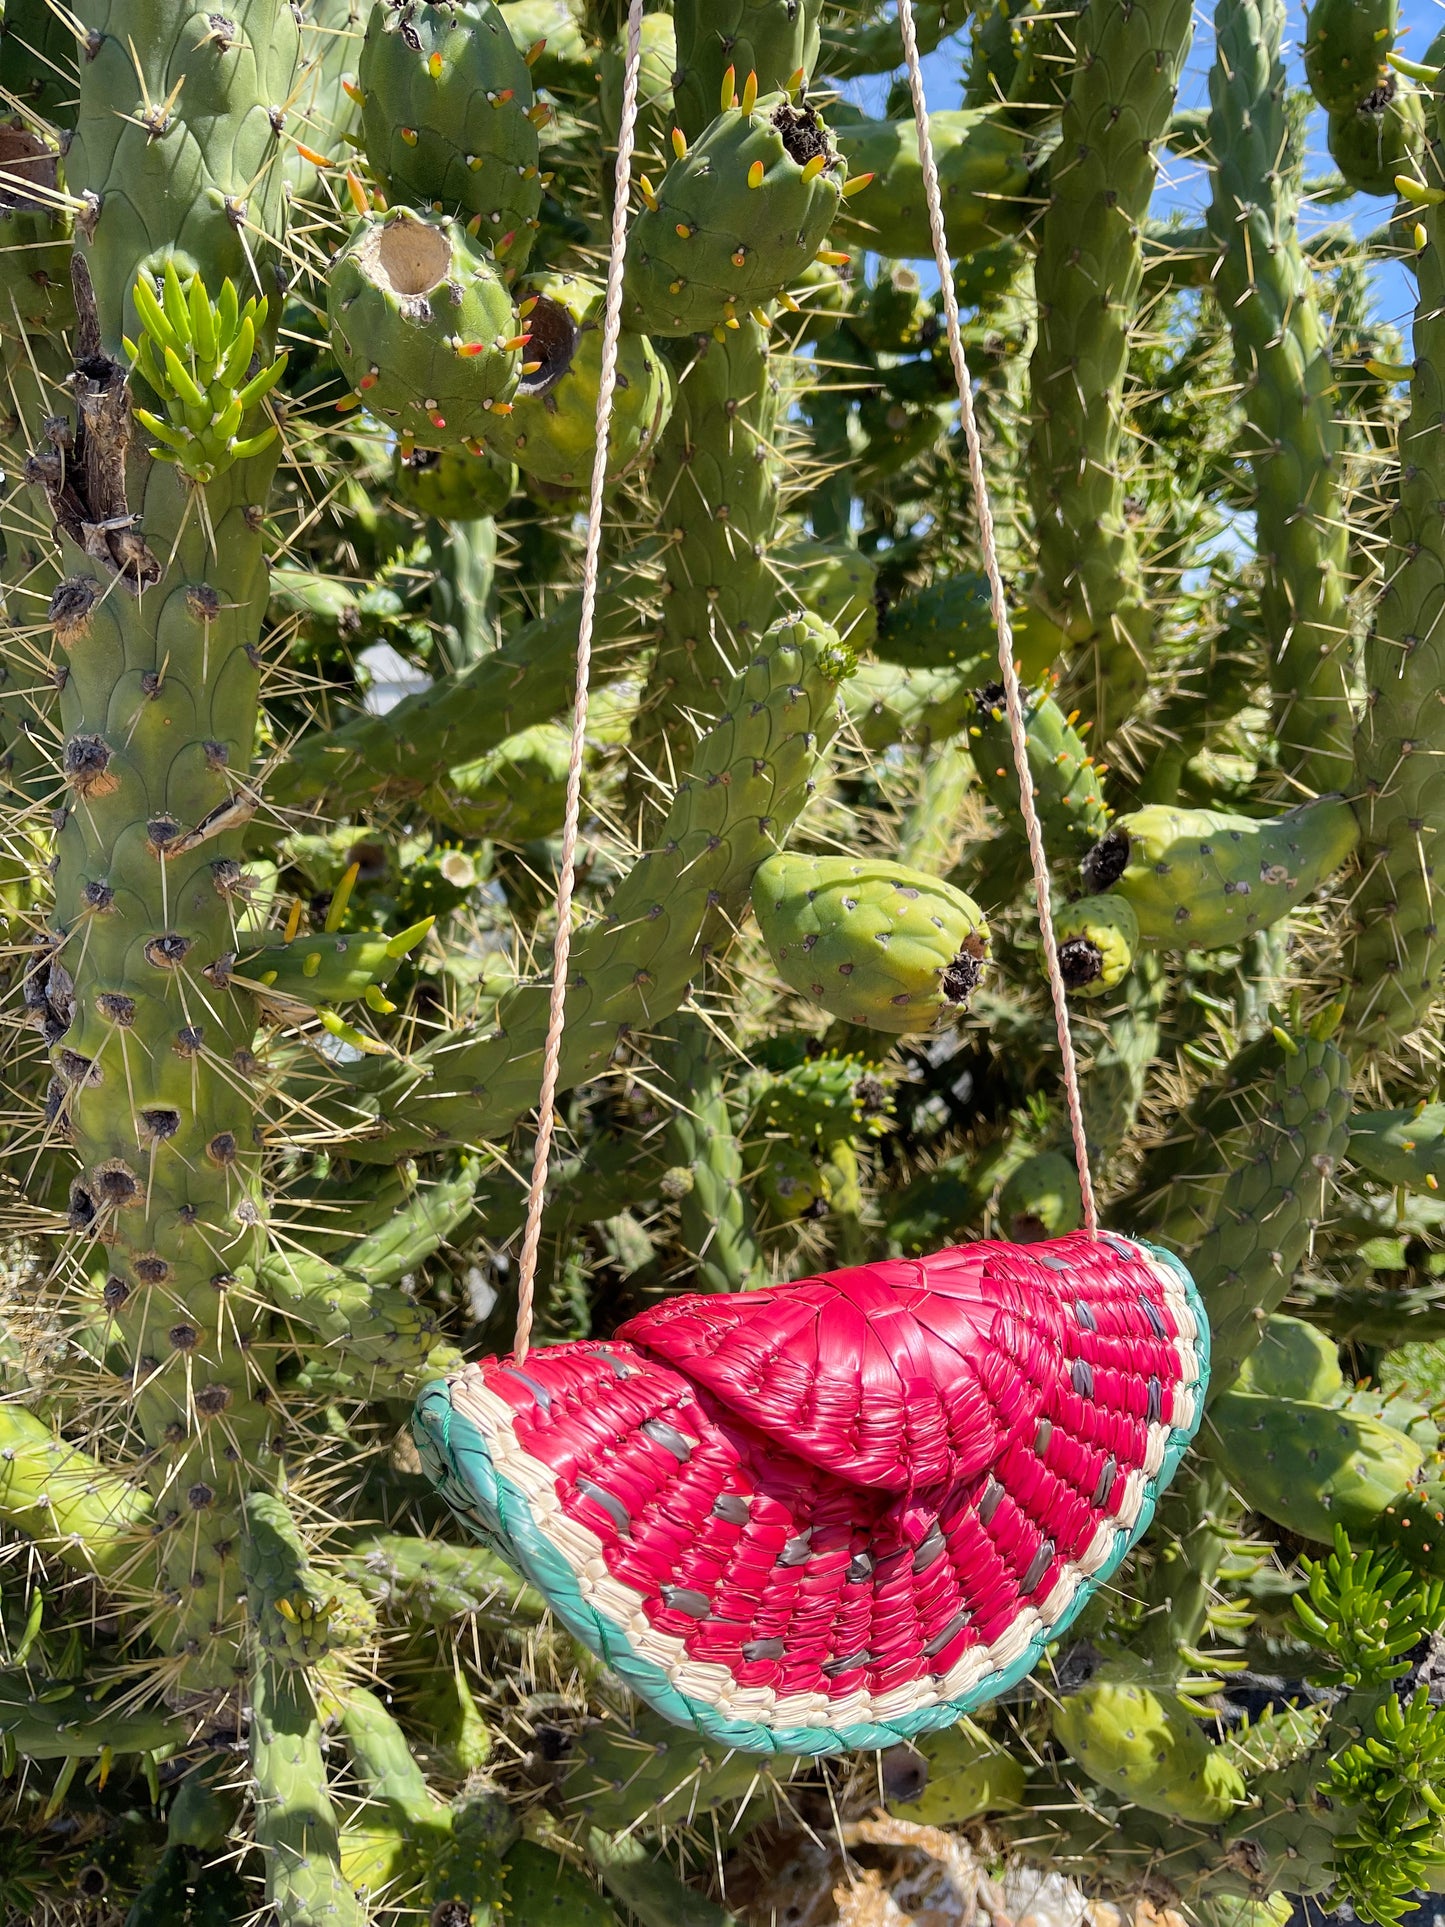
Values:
[(301, 323)]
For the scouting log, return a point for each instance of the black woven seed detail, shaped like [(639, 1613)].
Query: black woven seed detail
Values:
[(929, 1549), (1104, 1490), (732, 1507), (798, 1550), (831, 1668), (1156, 1401), (534, 1386), (1083, 1378), (668, 1437), (950, 1632), (764, 1648), (1038, 1566), (989, 1501), (1043, 1435), (860, 1568), (1085, 1317), (609, 1502), (1151, 1312), (682, 1599)]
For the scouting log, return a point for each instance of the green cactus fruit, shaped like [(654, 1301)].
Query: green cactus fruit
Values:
[(1293, 1360), (449, 119), (1148, 1747), (1401, 1148), (1310, 1467), (1346, 46), (1041, 1199), (552, 428), (1201, 879), (789, 1183), (544, 1890), (35, 235), (735, 219), (834, 582), (617, 1772), (422, 327), (983, 173), (453, 484), (774, 39), (873, 942), (656, 117), (1098, 938), (1380, 138), (944, 1779)]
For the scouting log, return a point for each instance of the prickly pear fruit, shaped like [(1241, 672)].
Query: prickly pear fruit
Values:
[(1293, 1359), (465, 1884), (1414, 1523), (945, 1778), (735, 219), (1041, 1199), (1310, 1467), (1346, 46), (454, 484), (1200, 879), (1066, 782), (789, 1183), (1098, 937), (1148, 1747), (448, 115), (1379, 138), (422, 327), (544, 1890), (553, 424), (874, 942)]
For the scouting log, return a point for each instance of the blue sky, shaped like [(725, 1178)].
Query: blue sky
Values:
[(1182, 185)]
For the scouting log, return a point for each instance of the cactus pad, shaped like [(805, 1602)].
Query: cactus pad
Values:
[(875, 943), (448, 115), (844, 1511), (553, 424), (1150, 1748), (423, 327), (735, 220)]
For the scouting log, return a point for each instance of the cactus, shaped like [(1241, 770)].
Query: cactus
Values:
[(301, 332)]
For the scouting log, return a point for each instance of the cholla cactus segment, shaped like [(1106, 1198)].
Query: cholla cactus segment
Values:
[(423, 328), (736, 218), (875, 943), (551, 426), (449, 118)]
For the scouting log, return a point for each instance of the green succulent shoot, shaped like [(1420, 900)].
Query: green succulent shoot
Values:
[(1365, 1611), (204, 360)]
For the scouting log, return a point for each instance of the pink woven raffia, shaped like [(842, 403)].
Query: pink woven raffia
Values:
[(998, 601), (859, 1485)]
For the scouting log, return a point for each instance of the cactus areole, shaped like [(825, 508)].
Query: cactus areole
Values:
[(845, 1511)]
